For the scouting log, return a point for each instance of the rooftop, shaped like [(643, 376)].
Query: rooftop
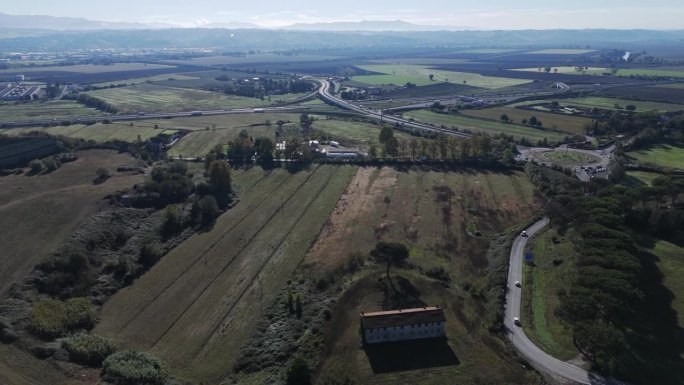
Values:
[(400, 317)]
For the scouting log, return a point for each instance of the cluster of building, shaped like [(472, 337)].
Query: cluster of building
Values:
[(16, 91)]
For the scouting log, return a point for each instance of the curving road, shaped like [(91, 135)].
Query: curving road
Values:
[(324, 92), (537, 357)]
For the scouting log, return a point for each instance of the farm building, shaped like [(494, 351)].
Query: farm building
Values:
[(402, 324)]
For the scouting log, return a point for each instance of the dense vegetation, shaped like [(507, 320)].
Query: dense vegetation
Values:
[(617, 307)]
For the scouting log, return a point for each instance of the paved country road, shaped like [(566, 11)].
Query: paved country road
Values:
[(537, 357)]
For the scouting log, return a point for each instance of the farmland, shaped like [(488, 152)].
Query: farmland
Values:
[(610, 103), (419, 75), (650, 72), (188, 306), (488, 126), (153, 98), (568, 70), (148, 79), (43, 210), (53, 109), (565, 123), (663, 156), (561, 51), (436, 214), (91, 68)]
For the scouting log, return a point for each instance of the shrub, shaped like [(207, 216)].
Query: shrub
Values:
[(208, 208), (438, 273), (150, 254), (133, 368), (298, 372), (51, 318), (89, 350)]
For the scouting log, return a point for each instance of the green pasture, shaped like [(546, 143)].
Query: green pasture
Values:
[(662, 155), (400, 74), (481, 125), (610, 103), (52, 109), (566, 123), (153, 98)]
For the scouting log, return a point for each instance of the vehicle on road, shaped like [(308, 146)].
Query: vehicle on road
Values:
[(523, 233), (517, 283), (516, 321)]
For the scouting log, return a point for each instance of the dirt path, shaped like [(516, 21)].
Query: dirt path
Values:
[(369, 185)]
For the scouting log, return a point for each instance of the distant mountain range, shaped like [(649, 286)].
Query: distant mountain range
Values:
[(371, 26), (43, 22)]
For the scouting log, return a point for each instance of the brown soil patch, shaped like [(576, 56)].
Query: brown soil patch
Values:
[(366, 189)]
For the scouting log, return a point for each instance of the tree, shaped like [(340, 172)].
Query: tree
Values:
[(504, 118), (432, 77), (386, 133), (298, 306), (390, 253), (208, 209), (413, 145), (298, 372), (373, 152), (391, 148), (219, 180), (264, 149)]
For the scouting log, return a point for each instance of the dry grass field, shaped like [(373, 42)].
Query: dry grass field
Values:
[(566, 123), (437, 214), (198, 305), (39, 212)]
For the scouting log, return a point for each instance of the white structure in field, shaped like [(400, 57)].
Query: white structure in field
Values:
[(403, 324)]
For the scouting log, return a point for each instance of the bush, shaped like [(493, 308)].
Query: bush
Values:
[(438, 273), (51, 318), (89, 350), (150, 254), (298, 372), (208, 208), (133, 368)]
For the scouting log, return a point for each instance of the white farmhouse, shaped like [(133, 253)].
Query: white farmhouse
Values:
[(403, 324)]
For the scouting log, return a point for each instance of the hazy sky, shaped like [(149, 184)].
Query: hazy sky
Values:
[(485, 14)]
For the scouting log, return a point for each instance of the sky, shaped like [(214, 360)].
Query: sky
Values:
[(477, 14)]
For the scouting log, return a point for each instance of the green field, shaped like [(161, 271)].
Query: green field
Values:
[(677, 86), (561, 51), (553, 269), (643, 177), (402, 73), (481, 125), (153, 98), (53, 109), (429, 212), (566, 123), (567, 158), (91, 68), (671, 264), (609, 103), (650, 72), (662, 155), (568, 70), (353, 133), (156, 78), (196, 307)]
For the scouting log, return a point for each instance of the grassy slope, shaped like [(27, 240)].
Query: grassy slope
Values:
[(540, 292), (420, 76), (492, 127), (188, 308), (671, 264), (39, 212), (565, 123), (663, 155), (404, 206), (643, 177), (18, 367)]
